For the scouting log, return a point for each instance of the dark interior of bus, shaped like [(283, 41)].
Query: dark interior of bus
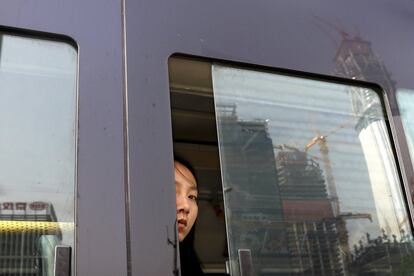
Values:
[(195, 140)]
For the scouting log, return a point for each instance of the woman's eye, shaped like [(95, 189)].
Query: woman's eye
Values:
[(192, 197)]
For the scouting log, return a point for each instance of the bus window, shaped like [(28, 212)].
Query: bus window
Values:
[(309, 181), (38, 150)]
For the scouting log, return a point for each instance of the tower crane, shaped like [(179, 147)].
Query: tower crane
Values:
[(340, 217)]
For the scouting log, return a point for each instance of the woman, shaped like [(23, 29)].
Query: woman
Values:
[(187, 211)]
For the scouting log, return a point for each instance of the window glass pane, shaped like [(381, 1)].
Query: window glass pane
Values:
[(310, 182), (38, 148)]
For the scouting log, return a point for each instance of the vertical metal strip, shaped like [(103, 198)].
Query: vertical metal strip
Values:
[(126, 140)]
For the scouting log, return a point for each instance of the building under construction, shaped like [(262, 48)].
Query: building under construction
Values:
[(279, 204), (313, 234)]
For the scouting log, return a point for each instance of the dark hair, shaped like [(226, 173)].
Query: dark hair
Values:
[(190, 264), (186, 164)]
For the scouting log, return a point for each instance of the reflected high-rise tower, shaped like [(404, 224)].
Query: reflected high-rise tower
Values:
[(248, 151), (356, 59), (251, 191)]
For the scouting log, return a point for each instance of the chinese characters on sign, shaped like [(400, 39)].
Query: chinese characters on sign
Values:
[(23, 206)]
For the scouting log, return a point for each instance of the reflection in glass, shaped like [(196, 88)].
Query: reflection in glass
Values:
[(37, 145), (356, 59), (310, 181), (405, 98)]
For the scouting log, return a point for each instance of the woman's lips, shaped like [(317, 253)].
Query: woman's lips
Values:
[(182, 223)]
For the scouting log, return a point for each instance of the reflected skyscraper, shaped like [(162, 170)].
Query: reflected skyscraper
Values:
[(385, 253), (280, 206), (252, 191), (356, 59)]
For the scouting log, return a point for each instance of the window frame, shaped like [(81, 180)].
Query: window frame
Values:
[(382, 95)]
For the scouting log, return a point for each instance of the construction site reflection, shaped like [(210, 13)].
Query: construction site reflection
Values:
[(301, 204), (284, 210)]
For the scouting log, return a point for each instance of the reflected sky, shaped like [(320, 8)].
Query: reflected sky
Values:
[(38, 120), (405, 100)]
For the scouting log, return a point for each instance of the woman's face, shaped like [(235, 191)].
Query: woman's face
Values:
[(186, 196)]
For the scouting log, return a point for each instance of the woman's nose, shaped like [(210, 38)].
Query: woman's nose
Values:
[(182, 204)]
